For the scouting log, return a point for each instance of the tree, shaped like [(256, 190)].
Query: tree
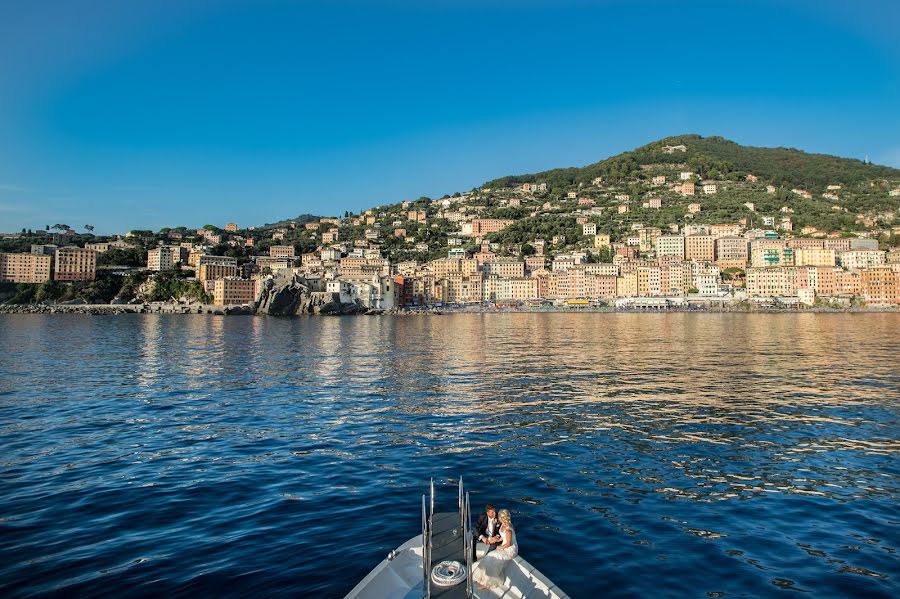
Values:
[(89, 228), (527, 249), (61, 227)]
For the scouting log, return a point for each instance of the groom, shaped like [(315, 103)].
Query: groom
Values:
[(487, 530)]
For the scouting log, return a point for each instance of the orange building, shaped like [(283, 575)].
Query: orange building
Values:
[(75, 264), (232, 291), (880, 285), (25, 268), (700, 248)]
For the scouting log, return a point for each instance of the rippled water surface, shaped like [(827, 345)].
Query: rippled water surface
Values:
[(671, 455)]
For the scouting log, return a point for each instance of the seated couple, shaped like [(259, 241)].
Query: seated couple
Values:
[(495, 538)]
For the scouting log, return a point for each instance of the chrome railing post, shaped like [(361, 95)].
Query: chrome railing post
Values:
[(470, 562), (460, 506), (424, 549), (430, 541)]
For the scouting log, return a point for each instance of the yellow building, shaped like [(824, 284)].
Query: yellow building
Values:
[(814, 256)]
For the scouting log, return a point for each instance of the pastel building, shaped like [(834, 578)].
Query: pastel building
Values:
[(282, 251), (670, 245), (25, 268), (75, 264), (233, 291), (700, 247)]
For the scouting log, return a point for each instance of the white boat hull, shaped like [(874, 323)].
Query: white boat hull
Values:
[(401, 578)]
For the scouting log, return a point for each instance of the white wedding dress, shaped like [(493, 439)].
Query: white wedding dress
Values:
[(489, 570)]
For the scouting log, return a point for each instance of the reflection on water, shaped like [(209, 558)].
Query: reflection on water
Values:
[(721, 454)]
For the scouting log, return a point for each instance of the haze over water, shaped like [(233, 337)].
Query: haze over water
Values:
[(683, 455)]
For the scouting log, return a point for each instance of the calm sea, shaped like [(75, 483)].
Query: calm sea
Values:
[(670, 455)]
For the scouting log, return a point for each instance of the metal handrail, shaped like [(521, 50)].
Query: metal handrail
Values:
[(460, 506), (470, 563), (430, 544), (424, 548)]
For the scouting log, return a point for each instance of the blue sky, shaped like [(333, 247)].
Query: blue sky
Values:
[(149, 114)]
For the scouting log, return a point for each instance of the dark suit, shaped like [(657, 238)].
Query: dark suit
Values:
[(481, 528)]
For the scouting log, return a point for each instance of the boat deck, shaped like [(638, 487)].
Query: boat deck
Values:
[(447, 544)]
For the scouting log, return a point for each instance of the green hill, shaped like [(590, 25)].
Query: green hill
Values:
[(716, 157)]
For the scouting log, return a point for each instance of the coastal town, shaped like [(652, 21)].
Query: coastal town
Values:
[(671, 237)]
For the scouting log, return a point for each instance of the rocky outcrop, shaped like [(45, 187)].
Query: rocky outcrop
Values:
[(288, 295)]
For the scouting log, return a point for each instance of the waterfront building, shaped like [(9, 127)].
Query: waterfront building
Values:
[(25, 268), (75, 264), (233, 291), (771, 281), (880, 285)]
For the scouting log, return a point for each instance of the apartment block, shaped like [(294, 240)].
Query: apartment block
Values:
[(725, 230), (880, 285), (859, 259), (480, 227), (75, 264), (813, 256), (732, 250), (282, 251), (670, 245), (504, 267), (232, 291), (165, 257), (700, 247), (212, 271), (771, 282), (534, 263), (768, 252), (25, 268)]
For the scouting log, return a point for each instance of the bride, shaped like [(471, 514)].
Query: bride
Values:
[(489, 570)]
